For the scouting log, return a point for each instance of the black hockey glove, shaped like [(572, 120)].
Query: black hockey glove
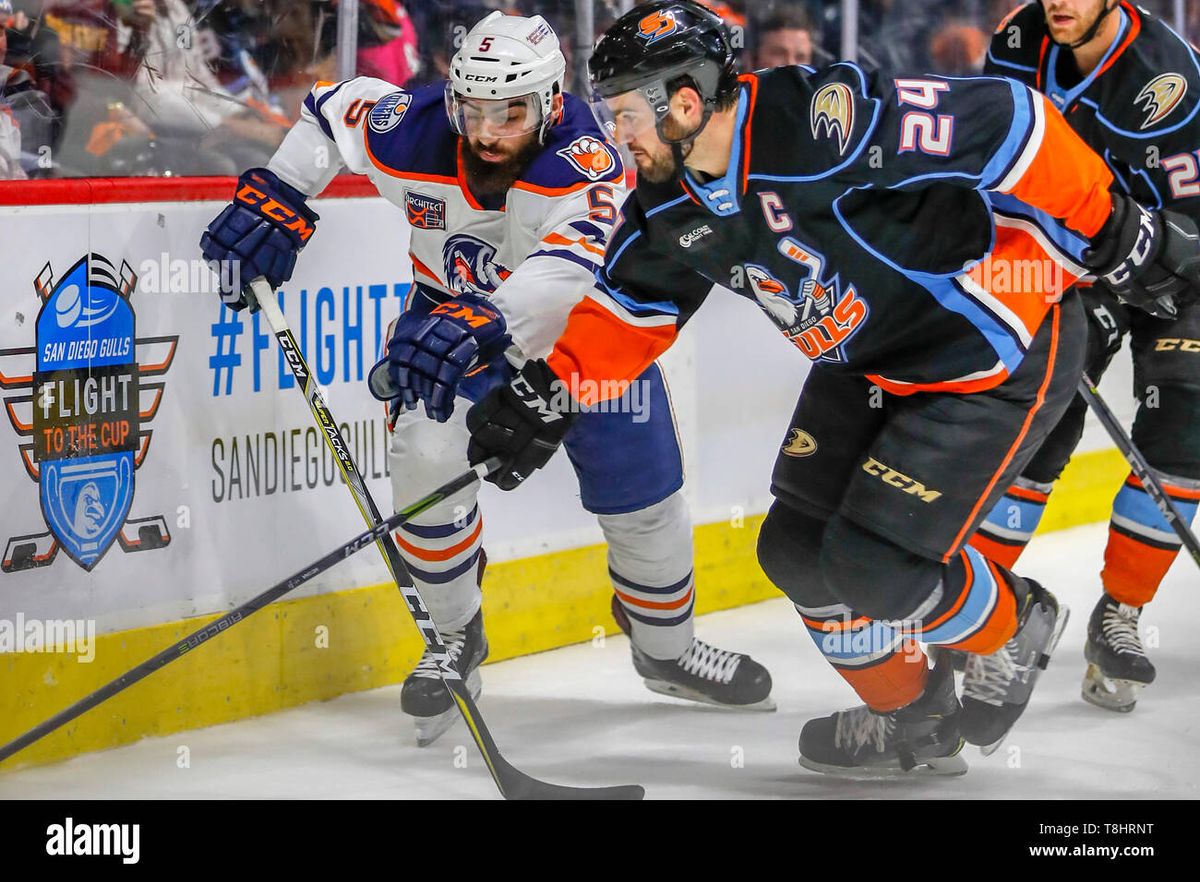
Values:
[(1149, 259), (522, 422), (262, 232)]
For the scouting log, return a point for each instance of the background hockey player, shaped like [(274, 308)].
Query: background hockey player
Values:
[(511, 192), (1130, 86), (932, 386), (10, 80)]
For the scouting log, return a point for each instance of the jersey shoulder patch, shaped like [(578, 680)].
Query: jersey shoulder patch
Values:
[(1156, 82), (575, 154), (832, 110), (407, 132), (1017, 43)]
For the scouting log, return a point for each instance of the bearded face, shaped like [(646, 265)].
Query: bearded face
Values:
[(1069, 20), (494, 164)]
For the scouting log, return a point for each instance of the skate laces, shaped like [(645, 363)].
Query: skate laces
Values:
[(709, 662), (988, 677), (455, 642), (859, 727), (1120, 628)]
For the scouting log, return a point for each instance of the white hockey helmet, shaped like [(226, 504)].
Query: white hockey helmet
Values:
[(502, 59)]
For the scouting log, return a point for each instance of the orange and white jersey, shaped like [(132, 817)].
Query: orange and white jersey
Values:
[(534, 252)]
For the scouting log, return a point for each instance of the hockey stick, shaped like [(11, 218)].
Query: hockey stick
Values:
[(231, 618), (513, 783), (1140, 467)]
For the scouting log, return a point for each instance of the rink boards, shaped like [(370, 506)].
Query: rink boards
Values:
[(135, 516)]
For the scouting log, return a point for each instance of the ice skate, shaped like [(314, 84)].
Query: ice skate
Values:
[(921, 738), (997, 687), (423, 696), (703, 673), (1118, 668)]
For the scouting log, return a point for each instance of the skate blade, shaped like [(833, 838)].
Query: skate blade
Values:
[(1114, 695), (429, 729), (662, 687), (943, 766), (1060, 625)]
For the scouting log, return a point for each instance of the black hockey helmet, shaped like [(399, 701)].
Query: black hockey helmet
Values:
[(645, 52)]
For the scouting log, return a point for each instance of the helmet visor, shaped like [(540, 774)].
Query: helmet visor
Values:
[(493, 118), (628, 115)]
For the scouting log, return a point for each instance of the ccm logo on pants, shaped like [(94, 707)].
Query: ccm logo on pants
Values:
[(1176, 344), (902, 482)]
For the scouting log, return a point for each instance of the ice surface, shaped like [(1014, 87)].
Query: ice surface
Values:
[(581, 716)]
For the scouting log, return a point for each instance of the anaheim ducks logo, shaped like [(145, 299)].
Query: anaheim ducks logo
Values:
[(657, 25), (590, 156), (1161, 96), (832, 114), (800, 444)]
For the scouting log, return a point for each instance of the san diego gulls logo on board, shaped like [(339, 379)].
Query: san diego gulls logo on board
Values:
[(1161, 96), (84, 394), (832, 114)]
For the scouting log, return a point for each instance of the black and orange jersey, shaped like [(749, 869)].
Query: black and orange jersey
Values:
[(914, 230), (1139, 109)]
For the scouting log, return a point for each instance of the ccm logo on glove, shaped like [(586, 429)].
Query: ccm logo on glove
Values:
[(530, 397), (472, 316), (267, 206), (1139, 253)]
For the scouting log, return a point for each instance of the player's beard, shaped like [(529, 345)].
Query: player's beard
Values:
[(663, 165), (487, 178), (1081, 25)]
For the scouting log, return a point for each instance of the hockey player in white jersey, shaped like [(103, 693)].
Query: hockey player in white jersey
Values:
[(511, 191)]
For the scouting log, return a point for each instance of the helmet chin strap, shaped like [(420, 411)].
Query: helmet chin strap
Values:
[(1090, 33), (677, 145)]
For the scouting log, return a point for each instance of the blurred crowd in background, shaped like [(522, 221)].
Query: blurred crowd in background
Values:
[(209, 87)]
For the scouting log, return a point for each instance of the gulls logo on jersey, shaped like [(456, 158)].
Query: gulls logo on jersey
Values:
[(820, 318), (1161, 96), (773, 296), (83, 415), (388, 112), (590, 156), (471, 266), (832, 114), (425, 212), (657, 25)]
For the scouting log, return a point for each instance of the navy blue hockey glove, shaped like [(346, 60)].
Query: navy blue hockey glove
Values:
[(522, 422), (262, 231), (429, 354), (1148, 259)]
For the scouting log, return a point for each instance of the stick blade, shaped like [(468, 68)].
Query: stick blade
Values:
[(525, 787)]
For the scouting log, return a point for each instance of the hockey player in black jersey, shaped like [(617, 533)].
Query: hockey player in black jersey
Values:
[(872, 222), (1130, 87)]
